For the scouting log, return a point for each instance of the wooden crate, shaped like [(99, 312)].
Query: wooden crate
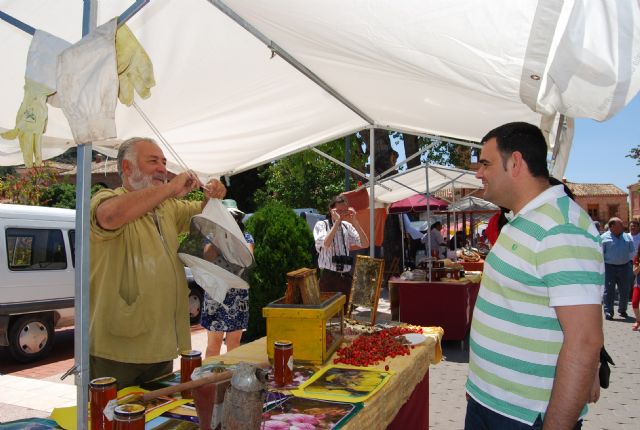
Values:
[(315, 330)]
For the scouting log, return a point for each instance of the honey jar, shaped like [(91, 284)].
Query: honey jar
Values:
[(283, 362), (189, 360), (129, 417), (101, 390)]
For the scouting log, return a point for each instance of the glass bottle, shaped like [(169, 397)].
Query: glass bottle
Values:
[(283, 362), (189, 360), (101, 390)]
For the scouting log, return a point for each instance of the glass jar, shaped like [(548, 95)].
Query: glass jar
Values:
[(189, 360), (128, 417), (283, 362), (101, 390)]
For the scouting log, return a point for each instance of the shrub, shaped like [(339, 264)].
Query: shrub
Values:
[(282, 244)]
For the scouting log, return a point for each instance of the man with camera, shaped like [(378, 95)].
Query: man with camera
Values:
[(334, 238)]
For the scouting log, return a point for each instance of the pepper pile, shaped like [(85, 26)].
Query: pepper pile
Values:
[(371, 349)]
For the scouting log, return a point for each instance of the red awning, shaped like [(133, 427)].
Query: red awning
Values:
[(417, 203)]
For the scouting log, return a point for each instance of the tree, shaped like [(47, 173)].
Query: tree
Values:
[(28, 188), (282, 244)]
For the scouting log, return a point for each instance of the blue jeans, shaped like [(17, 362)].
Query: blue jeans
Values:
[(481, 418), (622, 276)]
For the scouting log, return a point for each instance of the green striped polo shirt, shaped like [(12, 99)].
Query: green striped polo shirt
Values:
[(548, 255)]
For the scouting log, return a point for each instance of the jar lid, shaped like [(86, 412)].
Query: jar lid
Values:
[(282, 343), (102, 382), (190, 353), (129, 410)]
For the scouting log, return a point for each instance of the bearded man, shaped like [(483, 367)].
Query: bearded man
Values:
[(139, 317)]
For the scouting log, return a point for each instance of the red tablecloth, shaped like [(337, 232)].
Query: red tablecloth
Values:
[(414, 414), (476, 266), (445, 304)]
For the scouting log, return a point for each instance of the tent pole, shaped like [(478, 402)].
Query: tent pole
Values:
[(401, 218), (82, 288), (347, 161), (372, 178), (429, 250)]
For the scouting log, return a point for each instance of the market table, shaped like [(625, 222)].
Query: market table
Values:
[(445, 304), (403, 402)]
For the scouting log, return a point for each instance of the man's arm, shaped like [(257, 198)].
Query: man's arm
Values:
[(577, 364), (117, 211)]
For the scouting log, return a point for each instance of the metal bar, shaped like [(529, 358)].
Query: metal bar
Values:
[(338, 162), (429, 250), (131, 11), (372, 209), (442, 139), (274, 47), (17, 23), (82, 269)]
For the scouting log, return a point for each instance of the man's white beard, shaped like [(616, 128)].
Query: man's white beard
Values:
[(140, 181)]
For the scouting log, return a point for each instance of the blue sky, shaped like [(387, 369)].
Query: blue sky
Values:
[(599, 149)]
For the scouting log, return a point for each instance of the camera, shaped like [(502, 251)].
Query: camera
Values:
[(341, 260)]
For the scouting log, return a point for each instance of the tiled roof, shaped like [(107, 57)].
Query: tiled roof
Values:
[(110, 166), (583, 190)]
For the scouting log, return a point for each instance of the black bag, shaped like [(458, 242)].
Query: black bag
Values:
[(605, 372)]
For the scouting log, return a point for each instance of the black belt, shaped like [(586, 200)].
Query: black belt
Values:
[(341, 274), (618, 265)]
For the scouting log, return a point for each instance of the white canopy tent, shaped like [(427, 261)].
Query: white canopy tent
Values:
[(453, 68)]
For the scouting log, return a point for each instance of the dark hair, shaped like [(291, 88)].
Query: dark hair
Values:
[(525, 138), (337, 200), (437, 225)]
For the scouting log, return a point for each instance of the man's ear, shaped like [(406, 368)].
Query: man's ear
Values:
[(517, 163), (127, 168)]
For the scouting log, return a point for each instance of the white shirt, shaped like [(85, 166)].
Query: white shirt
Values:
[(436, 241), (343, 240)]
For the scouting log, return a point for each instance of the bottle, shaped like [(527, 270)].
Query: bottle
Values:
[(128, 417), (283, 362), (101, 390), (189, 360)]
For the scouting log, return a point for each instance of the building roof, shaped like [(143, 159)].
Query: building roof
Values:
[(108, 166), (584, 190)]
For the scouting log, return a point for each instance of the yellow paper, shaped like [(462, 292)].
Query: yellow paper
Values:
[(343, 383), (66, 417)]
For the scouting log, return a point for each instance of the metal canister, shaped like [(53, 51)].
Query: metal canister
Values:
[(283, 362), (189, 360), (101, 390), (128, 417)]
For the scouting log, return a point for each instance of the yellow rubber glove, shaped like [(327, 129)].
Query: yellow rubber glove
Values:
[(134, 67), (31, 122)]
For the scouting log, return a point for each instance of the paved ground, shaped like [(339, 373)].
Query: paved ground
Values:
[(34, 390)]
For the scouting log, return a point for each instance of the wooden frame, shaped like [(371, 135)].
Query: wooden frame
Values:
[(302, 287), (365, 287)]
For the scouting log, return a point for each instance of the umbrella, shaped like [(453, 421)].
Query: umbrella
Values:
[(417, 203)]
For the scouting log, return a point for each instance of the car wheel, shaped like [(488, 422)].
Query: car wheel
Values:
[(195, 305), (30, 337)]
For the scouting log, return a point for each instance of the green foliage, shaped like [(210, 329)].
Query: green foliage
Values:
[(63, 195), (28, 188), (283, 242), (306, 179)]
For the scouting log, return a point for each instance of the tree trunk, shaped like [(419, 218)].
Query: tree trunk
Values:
[(411, 146)]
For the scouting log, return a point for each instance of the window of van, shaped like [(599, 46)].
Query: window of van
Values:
[(35, 249), (72, 245)]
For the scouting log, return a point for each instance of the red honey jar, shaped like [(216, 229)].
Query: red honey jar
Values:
[(101, 390), (128, 417), (283, 362), (189, 360)]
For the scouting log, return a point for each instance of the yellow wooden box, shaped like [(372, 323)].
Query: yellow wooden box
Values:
[(315, 330)]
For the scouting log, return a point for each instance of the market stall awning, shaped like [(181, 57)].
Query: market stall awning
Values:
[(472, 204), (412, 181), (228, 99), (417, 203)]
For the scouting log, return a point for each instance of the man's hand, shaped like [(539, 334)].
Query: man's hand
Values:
[(184, 183), (215, 189)]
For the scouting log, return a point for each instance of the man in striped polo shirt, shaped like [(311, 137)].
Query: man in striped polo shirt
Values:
[(537, 325)]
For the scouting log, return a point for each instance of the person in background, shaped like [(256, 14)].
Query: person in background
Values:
[(138, 310), (634, 231), (438, 245), (635, 299), (536, 331), (228, 319), (618, 250), (334, 238), (597, 226)]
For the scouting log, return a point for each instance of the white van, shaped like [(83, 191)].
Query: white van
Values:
[(37, 260), (36, 277)]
